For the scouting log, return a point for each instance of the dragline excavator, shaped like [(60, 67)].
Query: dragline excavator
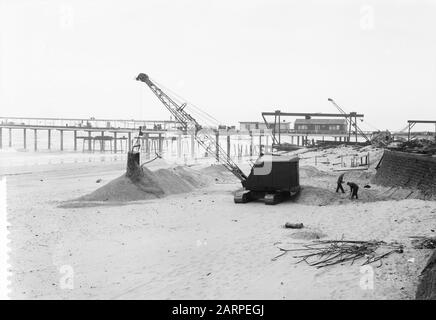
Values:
[(272, 177)]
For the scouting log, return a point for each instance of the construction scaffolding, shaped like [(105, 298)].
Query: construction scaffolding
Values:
[(411, 124), (351, 119)]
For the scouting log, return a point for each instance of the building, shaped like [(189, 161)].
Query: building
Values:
[(251, 125), (255, 125), (320, 126)]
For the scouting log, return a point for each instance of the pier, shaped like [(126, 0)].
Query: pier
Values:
[(118, 135), (102, 135)]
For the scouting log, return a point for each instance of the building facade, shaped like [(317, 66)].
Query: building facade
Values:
[(320, 126), (255, 125)]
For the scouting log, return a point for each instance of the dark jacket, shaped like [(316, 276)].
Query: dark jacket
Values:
[(353, 186), (341, 178)]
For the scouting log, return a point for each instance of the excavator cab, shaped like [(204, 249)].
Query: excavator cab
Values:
[(273, 178)]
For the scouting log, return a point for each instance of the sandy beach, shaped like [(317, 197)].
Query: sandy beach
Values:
[(200, 245)]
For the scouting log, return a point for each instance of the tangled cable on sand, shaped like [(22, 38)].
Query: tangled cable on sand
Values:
[(323, 253)]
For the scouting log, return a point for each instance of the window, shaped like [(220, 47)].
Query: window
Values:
[(303, 127), (335, 127)]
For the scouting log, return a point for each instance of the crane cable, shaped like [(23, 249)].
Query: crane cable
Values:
[(190, 105), (221, 155)]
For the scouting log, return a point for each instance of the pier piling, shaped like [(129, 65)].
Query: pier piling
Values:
[(89, 141), (62, 139), (217, 146), (49, 139), (192, 146), (160, 143), (228, 147), (75, 140), (35, 139), (24, 139)]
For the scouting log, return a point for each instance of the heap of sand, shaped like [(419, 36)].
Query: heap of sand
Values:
[(144, 184)]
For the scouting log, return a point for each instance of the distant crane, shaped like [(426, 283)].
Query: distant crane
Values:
[(350, 120)]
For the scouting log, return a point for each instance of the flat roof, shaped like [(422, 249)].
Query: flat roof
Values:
[(254, 122), (320, 121)]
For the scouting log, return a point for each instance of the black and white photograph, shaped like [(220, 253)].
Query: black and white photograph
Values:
[(209, 150)]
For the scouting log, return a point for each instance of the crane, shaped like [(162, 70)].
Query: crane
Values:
[(272, 178), (189, 124), (349, 120)]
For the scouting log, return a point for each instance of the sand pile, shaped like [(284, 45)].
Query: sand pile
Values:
[(149, 185), (219, 174), (312, 172), (316, 196)]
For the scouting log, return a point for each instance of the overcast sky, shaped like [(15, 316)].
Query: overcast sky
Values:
[(233, 59)]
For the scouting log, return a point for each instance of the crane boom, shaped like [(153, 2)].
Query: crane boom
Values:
[(188, 123), (349, 119)]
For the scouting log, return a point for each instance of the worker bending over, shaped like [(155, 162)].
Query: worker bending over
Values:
[(340, 182), (353, 189)]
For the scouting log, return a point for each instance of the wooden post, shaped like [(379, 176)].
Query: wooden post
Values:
[(89, 141), (280, 129), (35, 139), (62, 140), (251, 142), (147, 146), (228, 146), (102, 142), (129, 134), (75, 140), (355, 127), (24, 139), (115, 142), (298, 140), (160, 143), (49, 139), (10, 137), (217, 146), (239, 147)]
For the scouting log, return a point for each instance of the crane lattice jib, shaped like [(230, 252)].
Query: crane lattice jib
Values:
[(187, 122), (181, 116), (349, 120)]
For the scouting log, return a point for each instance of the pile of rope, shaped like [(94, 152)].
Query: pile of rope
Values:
[(323, 253)]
